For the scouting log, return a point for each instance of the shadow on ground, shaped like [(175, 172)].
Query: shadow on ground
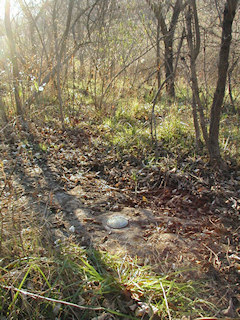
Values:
[(164, 232)]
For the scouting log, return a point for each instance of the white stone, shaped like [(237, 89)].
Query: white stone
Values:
[(117, 222)]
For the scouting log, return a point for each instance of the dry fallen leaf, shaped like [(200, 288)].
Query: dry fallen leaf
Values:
[(231, 310)]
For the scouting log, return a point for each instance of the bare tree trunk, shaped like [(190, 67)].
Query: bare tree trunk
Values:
[(168, 41), (33, 26), (6, 128), (196, 124), (230, 71), (228, 17), (13, 57), (158, 54), (154, 101), (194, 47), (60, 48), (170, 85), (3, 113), (168, 33)]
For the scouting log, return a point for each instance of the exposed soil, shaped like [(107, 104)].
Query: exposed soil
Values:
[(177, 220)]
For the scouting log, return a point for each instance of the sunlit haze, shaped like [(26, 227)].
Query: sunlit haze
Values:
[(2, 3), (14, 8)]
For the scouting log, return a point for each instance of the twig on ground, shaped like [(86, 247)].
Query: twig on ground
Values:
[(165, 298), (37, 296)]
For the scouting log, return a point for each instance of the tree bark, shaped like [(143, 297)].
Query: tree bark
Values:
[(228, 17), (60, 48), (168, 33), (158, 54), (13, 57), (170, 85), (3, 113), (194, 47), (168, 42)]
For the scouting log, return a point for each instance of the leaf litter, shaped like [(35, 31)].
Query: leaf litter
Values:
[(177, 219)]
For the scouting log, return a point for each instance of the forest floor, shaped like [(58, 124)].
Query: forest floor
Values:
[(179, 221)]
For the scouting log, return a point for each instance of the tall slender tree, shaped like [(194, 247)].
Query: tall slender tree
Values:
[(14, 60), (168, 31), (216, 108), (194, 41)]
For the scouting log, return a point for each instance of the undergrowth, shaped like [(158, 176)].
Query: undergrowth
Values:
[(66, 280), (128, 131), (45, 279)]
